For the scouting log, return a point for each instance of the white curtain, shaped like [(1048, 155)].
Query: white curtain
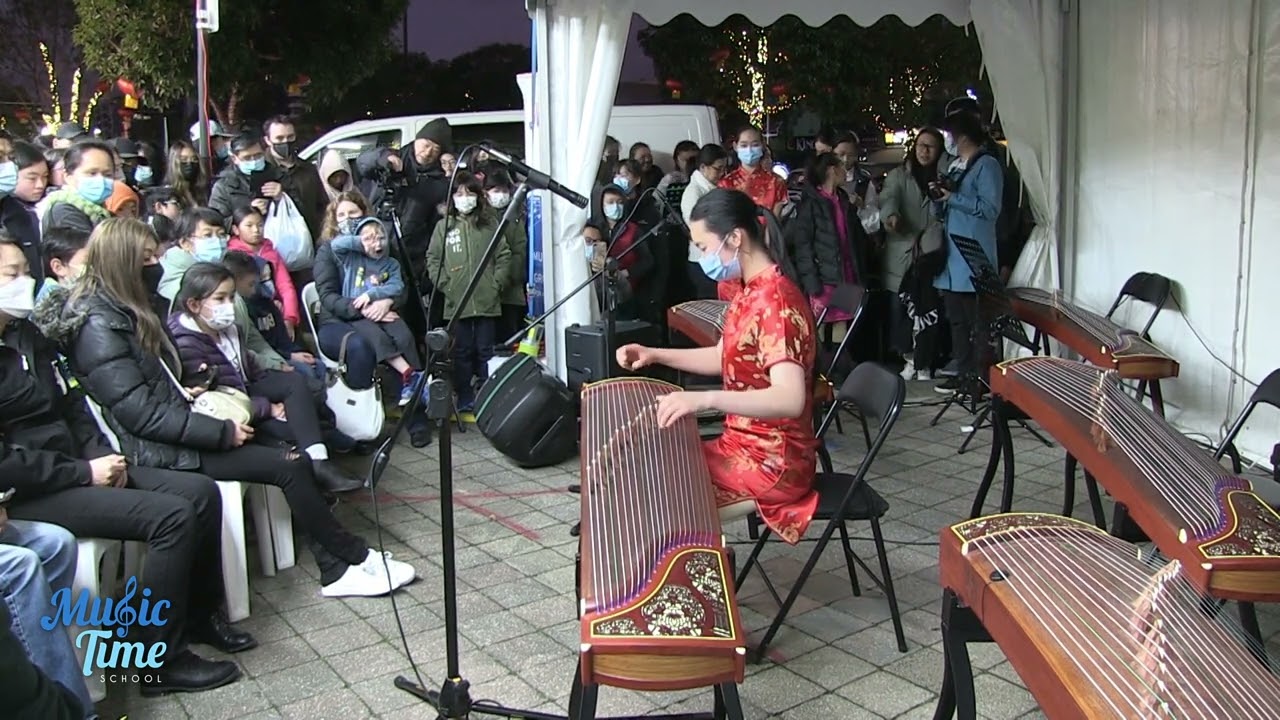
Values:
[(1022, 50), (585, 41)]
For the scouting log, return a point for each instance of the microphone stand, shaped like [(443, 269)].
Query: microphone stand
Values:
[(453, 700)]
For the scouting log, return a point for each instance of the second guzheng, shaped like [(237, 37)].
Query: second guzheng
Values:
[(1192, 508), (702, 321), (656, 585), (1094, 630), (1097, 339)]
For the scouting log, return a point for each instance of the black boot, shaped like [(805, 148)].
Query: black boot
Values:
[(421, 434), (217, 632), (333, 478), (188, 672)]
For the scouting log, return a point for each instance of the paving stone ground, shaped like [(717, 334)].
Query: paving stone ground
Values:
[(835, 658)]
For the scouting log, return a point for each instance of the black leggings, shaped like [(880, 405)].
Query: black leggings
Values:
[(177, 514), (303, 427), (334, 547)]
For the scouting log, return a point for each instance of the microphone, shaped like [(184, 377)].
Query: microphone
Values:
[(535, 178)]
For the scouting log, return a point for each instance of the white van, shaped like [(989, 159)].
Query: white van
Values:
[(660, 126)]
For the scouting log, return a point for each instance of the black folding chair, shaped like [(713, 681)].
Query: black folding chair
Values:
[(878, 394), (1268, 392), (1155, 290), (850, 299)]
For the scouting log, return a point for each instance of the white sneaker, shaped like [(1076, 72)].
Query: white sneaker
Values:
[(909, 372), (924, 375), (370, 578)]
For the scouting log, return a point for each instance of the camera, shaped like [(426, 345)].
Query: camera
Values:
[(939, 185)]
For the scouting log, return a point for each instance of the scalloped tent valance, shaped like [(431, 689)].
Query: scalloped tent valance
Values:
[(812, 12)]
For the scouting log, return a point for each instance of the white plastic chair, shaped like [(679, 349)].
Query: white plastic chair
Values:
[(310, 298), (97, 562)]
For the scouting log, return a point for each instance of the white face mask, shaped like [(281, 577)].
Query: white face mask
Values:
[(465, 203), (499, 200), (949, 144), (613, 211), (221, 316), (17, 297)]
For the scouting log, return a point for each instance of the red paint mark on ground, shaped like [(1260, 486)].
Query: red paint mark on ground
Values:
[(775, 655), (466, 501), (502, 520)]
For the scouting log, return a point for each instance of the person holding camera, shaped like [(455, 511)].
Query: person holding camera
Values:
[(969, 199), (413, 183)]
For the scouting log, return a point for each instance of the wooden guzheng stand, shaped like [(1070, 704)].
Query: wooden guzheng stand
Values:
[(1093, 630), (702, 321), (655, 582)]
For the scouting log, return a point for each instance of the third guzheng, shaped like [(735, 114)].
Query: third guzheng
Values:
[(1094, 630), (702, 321), (1192, 508)]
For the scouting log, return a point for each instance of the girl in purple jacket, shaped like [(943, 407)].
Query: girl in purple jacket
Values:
[(213, 353)]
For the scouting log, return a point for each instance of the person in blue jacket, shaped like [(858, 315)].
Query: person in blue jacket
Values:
[(970, 204)]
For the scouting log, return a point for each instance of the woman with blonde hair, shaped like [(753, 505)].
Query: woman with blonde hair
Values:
[(186, 176), (340, 218), (123, 358)]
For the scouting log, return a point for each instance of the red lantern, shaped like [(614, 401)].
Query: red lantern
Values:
[(22, 115), (103, 87), (720, 55), (303, 80), (674, 85), (125, 113), (780, 89), (125, 86)]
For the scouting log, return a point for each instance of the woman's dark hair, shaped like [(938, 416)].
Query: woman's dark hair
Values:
[(638, 146), (241, 212), (594, 225), (75, 153), (632, 167), (963, 124), (932, 132), (240, 264), (497, 179), (684, 146), (611, 190), (244, 141), (162, 226), (737, 137), (61, 243), (191, 218), (724, 211), (710, 154), (466, 180), (815, 172), (25, 155), (199, 282)]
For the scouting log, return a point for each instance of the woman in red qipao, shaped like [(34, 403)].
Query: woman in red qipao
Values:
[(765, 189), (767, 453)]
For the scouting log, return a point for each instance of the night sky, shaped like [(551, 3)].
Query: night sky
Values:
[(446, 29)]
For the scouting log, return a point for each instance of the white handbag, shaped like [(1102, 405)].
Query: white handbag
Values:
[(359, 414)]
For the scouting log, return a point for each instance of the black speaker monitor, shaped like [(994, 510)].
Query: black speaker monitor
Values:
[(527, 414), (590, 358)]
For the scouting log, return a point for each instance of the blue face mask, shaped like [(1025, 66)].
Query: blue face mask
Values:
[(613, 211), (223, 152), (750, 156), (622, 182), (210, 249), (249, 167), (143, 174), (8, 177), (95, 188), (718, 270), (267, 290)]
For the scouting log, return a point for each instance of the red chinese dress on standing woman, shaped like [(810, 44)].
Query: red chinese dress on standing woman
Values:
[(767, 191), (769, 461)]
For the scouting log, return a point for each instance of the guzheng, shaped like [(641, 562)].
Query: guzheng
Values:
[(1094, 337), (702, 321), (1193, 509), (657, 604), (1095, 631)]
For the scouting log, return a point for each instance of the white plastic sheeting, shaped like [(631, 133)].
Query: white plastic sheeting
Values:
[(1179, 129), (812, 12), (581, 54), (1022, 42)]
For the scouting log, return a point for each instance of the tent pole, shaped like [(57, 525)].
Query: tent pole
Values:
[(1069, 129)]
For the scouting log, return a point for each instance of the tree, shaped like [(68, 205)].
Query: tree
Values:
[(485, 78), (42, 64), (260, 47), (847, 73)]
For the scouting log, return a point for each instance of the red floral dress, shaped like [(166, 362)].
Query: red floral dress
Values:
[(766, 190), (769, 461)]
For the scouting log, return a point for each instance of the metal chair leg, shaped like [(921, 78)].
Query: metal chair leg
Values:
[(886, 578), (732, 705), (1249, 621), (848, 561)]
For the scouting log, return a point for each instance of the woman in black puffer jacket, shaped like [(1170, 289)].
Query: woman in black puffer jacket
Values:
[(826, 237), (118, 350)]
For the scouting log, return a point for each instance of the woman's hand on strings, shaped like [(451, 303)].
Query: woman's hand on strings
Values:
[(673, 407), (634, 357)]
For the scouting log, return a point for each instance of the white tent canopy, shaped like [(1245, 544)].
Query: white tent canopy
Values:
[(1150, 163)]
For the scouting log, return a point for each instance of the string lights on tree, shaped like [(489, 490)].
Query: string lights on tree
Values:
[(746, 66), (75, 113)]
